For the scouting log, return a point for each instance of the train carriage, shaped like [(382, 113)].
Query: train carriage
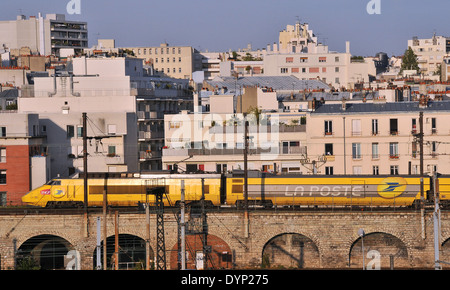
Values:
[(267, 190), (263, 190)]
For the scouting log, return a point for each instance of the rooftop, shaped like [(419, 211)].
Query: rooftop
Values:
[(277, 83), (388, 107)]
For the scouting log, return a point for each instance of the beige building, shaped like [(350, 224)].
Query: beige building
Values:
[(379, 137), (170, 61), (430, 53)]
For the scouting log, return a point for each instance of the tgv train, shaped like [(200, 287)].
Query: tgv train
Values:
[(228, 189)]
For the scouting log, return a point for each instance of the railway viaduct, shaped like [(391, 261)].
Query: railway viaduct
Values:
[(288, 239)]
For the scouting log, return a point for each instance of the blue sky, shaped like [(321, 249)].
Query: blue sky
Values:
[(222, 25)]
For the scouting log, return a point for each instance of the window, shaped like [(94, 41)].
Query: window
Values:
[(329, 149), (2, 176), (303, 59), (328, 170), (79, 131), (357, 170), (413, 126), (375, 170), (433, 126), (374, 126), (284, 70), (322, 59), (328, 127), (393, 150), (414, 150), (393, 126), (394, 169), (3, 198), (2, 131), (112, 129), (111, 150), (356, 150), (70, 131), (2, 155), (289, 59), (356, 127), (375, 154), (433, 149), (336, 69)]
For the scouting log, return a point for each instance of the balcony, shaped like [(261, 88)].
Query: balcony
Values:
[(145, 116), (394, 156), (143, 135), (148, 155), (234, 151)]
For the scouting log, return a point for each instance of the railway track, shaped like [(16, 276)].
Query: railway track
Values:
[(4, 211)]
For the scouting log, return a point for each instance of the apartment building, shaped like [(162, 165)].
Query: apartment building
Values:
[(45, 36), (298, 53), (430, 53), (379, 138), (170, 61), (24, 164), (124, 110)]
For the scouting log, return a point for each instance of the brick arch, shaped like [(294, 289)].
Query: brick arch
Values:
[(314, 244), (22, 238), (398, 243)]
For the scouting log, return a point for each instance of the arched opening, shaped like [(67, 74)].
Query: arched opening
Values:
[(43, 252), (217, 253), (132, 253), (380, 251), (290, 250)]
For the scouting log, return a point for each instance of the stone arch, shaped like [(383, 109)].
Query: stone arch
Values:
[(44, 251), (219, 256), (381, 249), (290, 250), (132, 252)]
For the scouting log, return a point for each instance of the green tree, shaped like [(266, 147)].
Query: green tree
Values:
[(409, 61)]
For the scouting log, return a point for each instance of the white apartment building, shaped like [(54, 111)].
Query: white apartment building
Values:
[(299, 54), (124, 109), (45, 36), (430, 53)]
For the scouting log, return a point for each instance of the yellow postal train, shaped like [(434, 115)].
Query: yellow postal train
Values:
[(228, 189)]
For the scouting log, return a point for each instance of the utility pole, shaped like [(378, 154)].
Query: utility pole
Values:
[(85, 169), (246, 217), (422, 196), (183, 228), (436, 223), (105, 264), (116, 243)]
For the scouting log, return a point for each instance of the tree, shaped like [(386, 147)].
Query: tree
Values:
[(409, 61)]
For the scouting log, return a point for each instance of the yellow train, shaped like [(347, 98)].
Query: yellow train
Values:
[(219, 190)]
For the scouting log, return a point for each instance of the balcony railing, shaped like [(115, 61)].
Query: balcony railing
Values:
[(234, 151)]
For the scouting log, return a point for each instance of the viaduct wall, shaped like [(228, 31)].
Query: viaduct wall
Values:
[(333, 236)]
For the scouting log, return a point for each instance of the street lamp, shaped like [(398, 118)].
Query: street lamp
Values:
[(361, 233)]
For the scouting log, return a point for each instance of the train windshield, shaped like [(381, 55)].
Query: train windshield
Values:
[(53, 182)]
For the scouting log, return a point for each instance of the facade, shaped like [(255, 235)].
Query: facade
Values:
[(45, 36), (430, 53), (23, 156), (170, 61), (124, 110), (379, 138)]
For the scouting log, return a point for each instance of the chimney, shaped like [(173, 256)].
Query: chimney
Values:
[(344, 105), (347, 47), (423, 102)]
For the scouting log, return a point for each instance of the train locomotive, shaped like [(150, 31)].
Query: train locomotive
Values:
[(264, 189)]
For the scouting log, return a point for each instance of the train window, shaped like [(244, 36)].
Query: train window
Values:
[(237, 188), (237, 180), (53, 182), (206, 188)]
